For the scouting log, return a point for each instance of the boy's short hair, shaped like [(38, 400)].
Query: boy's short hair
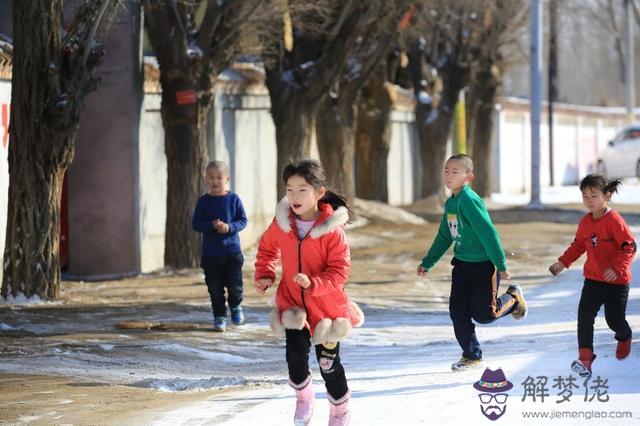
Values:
[(464, 159), (218, 165)]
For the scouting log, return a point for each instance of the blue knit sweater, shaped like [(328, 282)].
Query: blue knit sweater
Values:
[(227, 208)]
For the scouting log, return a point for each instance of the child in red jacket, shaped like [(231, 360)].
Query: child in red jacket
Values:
[(307, 235), (610, 248)]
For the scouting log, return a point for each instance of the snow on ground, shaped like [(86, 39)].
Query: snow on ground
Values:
[(398, 363), (398, 369)]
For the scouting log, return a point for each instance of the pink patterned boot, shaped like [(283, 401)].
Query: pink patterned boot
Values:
[(339, 414), (305, 401)]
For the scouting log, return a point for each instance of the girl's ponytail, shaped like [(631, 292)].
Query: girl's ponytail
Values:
[(336, 200), (612, 186), (600, 182)]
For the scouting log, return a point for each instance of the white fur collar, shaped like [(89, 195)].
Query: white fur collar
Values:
[(338, 218)]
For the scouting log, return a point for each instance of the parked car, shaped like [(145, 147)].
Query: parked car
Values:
[(621, 157)]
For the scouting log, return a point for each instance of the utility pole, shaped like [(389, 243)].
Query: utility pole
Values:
[(535, 79), (629, 78), (552, 76)]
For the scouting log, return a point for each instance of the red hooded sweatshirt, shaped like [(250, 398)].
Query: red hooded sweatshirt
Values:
[(608, 243)]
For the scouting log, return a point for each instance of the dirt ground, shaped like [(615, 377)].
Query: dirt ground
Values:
[(385, 256)]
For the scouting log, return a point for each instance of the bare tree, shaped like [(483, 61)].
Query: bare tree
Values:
[(373, 136), (440, 61), (337, 115), (193, 41), (303, 64), (54, 65), (497, 47)]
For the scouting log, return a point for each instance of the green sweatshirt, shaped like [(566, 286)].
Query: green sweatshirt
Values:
[(467, 223)]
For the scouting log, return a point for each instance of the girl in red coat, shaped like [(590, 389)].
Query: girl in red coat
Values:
[(307, 235), (610, 248)]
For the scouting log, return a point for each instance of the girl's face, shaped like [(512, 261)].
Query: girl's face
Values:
[(217, 181), (456, 175), (594, 199), (303, 197)]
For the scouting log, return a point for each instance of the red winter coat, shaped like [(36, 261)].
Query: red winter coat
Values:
[(323, 255)]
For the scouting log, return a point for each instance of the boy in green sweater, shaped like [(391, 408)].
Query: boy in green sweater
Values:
[(478, 263)]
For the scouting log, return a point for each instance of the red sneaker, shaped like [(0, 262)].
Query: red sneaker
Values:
[(624, 348), (582, 365)]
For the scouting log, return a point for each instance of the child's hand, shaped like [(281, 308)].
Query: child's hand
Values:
[(220, 226), (302, 280), (556, 268), (262, 285), (505, 275), (610, 275), (421, 271)]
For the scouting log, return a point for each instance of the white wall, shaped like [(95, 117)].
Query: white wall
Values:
[(152, 185), (244, 138), (579, 134), (5, 101), (404, 159)]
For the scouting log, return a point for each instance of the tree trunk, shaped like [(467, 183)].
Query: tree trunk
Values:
[(292, 116), (373, 138), (433, 130), (31, 256), (184, 122), (39, 155), (484, 99), (335, 133)]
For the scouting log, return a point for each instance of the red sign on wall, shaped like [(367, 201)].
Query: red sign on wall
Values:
[(185, 97), (4, 125)]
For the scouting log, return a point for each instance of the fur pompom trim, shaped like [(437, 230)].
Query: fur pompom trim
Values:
[(294, 318), (331, 331), (338, 218), (282, 215), (276, 323)]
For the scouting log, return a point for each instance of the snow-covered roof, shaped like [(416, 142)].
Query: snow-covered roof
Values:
[(6, 57), (240, 78)]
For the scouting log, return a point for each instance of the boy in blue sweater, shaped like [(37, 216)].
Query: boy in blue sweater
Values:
[(219, 215)]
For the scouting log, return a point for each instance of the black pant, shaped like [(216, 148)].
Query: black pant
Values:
[(298, 346), (594, 295), (221, 272), (474, 290)]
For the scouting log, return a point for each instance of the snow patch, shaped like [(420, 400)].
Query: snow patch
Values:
[(377, 210), (20, 299), (424, 98), (177, 384), (4, 327), (214, 356)]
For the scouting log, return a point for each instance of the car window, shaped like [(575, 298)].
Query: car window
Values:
[(634, 133), (619, 137)]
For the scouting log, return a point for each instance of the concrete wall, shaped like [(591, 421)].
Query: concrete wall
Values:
[(152, 188), (403, 163), (5, 101), (244, 137), (579, 134), (103, 178)]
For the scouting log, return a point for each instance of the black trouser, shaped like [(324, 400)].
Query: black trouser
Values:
[(614, 298), (474, 290), (221, 272), (298, 346)]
